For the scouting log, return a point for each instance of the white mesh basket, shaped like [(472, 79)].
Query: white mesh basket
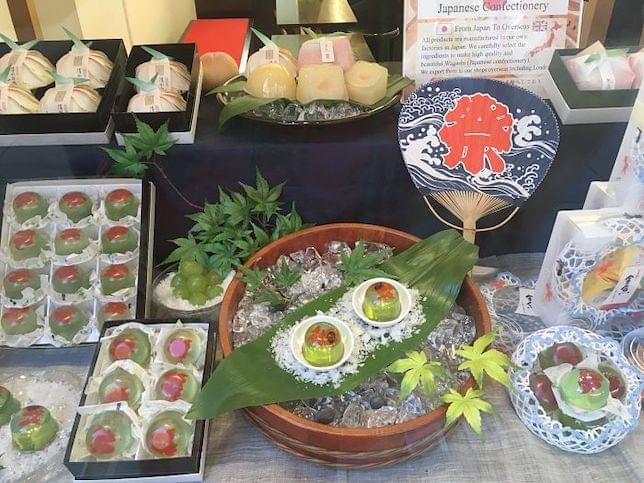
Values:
[(551, 430)]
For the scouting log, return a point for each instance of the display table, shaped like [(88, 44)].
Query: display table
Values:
[(508, 452), (346, 172)]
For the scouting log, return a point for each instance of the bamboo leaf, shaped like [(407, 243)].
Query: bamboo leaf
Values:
[(155, 54), (263, 38), (237, 86), (74, 38), (12, 45), (241, 105)]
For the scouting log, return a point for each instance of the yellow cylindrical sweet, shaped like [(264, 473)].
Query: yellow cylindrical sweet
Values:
[(366, 82), (321, 82), (271, 81)]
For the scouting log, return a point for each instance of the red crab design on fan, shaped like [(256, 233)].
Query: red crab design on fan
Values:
[(477, 129)]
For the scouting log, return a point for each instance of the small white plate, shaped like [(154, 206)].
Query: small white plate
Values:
[(297, 340), (403, 293)]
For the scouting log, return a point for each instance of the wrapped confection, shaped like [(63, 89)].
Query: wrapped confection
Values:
[(541, 386), (67, 321), (168, 435), (272, 55), (26, 244), (33, 428), (17, 281), (596, 68), (28, 68), (113, 311), (183, 346), (271, 81), (131, 344), (70, 279), (165, 73), (560, 353), (120, 203), (119, 239), (86, 63), (323, 345), (585, 389), (76, 205), (116, 277), (321, 82), (636, 62), (70, 241), (121, 385), (109, 435), (177, 384), (153, 99), (218, 68), (70, 95), (8, 405), (14, 98), (366, 82), (19, 320), (332, 50), (28, 205), (382, 302)]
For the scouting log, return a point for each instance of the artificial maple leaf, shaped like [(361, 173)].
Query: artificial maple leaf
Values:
[(479, 361), (359, 266), (417, 370), (469, 406)]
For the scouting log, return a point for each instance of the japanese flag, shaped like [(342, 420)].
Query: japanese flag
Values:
[(444, 28)]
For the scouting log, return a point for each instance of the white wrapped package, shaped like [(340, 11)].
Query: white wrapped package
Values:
[(636, 61), (598, 69), (28, 68), (70, 95), (81, 61), (15, 99)]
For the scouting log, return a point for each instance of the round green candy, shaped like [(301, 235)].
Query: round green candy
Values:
[(585, 389), (132, 344), (16, 281), (323, 345), (381, 302), (70, 241), (33, 428), (177, 384), (26, 244), (8, 405), (183, 346), (120, 203), (67, 321), (113, 311), (119, 239), (120, 385), (69, 279), (116, 277), (19, 321), (76, 205), (109, 435), (168, 435), (28, 205)]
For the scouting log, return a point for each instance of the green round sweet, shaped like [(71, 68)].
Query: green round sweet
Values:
[(183, 346), (67, 321), (381, 302), (19, 321), (70, 241), (116, 277), (33, 428), (69, 279), (132, 344), (8, 405), (323, 345), (585, 389), (76, 205), (119, 239), (28, 205), (120, 203), (168, 435), (109, 435), (120, 385), (26, 244), (16, 281), (177, 384), (113, 311)]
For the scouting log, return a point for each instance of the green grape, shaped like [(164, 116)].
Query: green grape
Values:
[(198, 298), (190, 267), (214, 278), (178, 281), (182, 293), (197, 283), (213, 291)]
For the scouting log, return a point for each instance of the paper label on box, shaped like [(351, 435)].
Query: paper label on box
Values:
[(628, 284), (163, 73), (326, 49), (526, 302), (63, 97), (153, 102), (271, 55), (16, 64)]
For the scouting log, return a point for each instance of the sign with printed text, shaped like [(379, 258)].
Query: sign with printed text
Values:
[(509, 40)]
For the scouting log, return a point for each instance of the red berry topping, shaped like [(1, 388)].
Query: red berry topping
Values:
[(117, 393), (32, 415), (24, 238), (179, 347), (119, 196), (74, 198), (172, 386), (162, 442), (116, 272), (114, 309), (323, 335), (67, 274), (386, 292), (122, 348), (589, 380), (70, 234), (103, 441), (65, 315), (116, 232), (21, 275), (26, 199), (15, 316)]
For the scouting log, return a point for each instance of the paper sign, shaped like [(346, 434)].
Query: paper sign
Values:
[(510, 40), (526, 302), (628, 284), (326, 48)]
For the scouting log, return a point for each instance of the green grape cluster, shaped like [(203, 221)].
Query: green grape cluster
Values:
[(196, 284)]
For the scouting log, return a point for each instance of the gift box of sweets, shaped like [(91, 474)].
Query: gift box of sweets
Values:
[(162, 82), (59, 92), (73, 254), (131, 420)]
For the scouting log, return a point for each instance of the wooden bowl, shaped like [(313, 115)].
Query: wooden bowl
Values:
[(330, 445)]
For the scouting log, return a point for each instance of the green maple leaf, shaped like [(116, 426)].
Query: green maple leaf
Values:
[(417, 371), (469, 406), (285, 277), (359, 266), (273, 298), (126, 163), (208, 223), (263, 199), (287, 224), (236, 209), (148, 141), (187, 249), (479, 361), (253, 278), (260, 235), (223, 257)]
